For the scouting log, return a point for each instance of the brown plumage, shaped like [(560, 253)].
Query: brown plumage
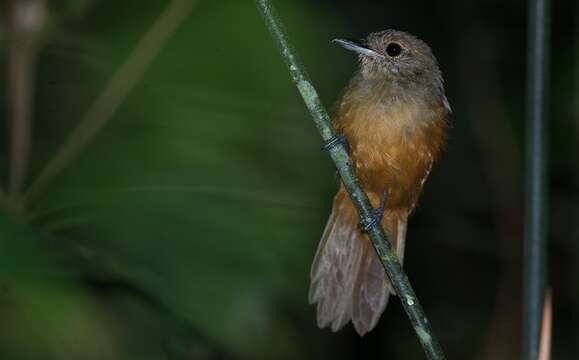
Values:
[(394, 115)]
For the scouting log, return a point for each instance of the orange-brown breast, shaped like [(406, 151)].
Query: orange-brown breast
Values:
[(393, 141)]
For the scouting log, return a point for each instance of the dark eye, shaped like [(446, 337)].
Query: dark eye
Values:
[(393, 49)]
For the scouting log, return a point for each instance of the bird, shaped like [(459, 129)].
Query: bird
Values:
[(393, 115)]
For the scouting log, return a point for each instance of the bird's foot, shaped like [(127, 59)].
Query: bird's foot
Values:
[(376, 214), (337, 139)]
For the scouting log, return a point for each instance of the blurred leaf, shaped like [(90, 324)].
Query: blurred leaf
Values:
[(195, 192)]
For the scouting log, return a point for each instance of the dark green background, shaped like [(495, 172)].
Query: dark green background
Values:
[(186, 229)]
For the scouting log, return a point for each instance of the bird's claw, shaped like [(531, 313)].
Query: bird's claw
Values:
[(377, 214), (337, 139)]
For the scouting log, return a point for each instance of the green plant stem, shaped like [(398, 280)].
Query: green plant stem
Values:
[(359, 197), (537, 202)]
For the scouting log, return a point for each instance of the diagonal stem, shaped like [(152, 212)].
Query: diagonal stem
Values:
[(342, 161), (116, 91)]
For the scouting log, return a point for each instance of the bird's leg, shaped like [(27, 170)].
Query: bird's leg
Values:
[(337, 139), (376, 214)]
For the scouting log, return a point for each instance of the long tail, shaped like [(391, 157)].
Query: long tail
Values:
[(348, 282)]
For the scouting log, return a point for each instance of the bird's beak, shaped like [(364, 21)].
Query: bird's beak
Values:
[(352, 46)]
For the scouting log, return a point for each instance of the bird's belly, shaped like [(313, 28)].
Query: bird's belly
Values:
[(400, 168), (392, 146)]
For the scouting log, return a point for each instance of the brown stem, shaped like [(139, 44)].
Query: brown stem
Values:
[(546, 328), (25, 24)]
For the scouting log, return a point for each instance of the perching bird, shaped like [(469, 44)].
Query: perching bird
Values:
[(394, 115)]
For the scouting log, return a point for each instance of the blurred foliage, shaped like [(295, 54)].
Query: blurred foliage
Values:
[(185, 230)]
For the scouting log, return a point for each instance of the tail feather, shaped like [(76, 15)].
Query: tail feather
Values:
[(348, 281), (371, 295), (401, 237)]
